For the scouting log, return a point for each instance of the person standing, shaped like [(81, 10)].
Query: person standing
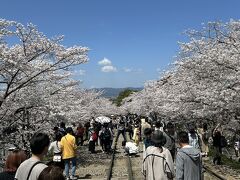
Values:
[(121, 129), (55, 147), (129, 128), (13, 161), (170, 139), (105, 137), (62, 128), (110, 126), (204, 135), (86, 126), (188, 160), (79, 134), (158, 163), (158, 126), (93, 137), (69, 146), (237, 147), (147, 138), (147, 142), (144, 125), (31, 168), (194, 139), (217, 135), (136, 134)]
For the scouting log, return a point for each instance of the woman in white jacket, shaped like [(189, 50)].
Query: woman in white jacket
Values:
[(158, 163)]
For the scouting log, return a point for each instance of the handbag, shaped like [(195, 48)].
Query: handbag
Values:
[(57, 158)]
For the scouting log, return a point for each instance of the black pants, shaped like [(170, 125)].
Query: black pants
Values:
[(106, 145), (173, 151), (130, 133), (123, 132), (217, 155), (91, 146), (80, 140)]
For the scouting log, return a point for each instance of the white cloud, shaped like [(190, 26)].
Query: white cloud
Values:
[(105, 62), (108, 69), (127, 70)]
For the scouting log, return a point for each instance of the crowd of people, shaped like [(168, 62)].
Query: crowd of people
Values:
[(167, 152)]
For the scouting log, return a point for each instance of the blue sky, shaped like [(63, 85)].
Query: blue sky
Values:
[(133, 39)]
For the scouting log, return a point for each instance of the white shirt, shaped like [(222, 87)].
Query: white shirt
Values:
[(55, 146)]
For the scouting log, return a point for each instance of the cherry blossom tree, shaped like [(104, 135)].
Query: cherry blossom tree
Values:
[(33, 59), (33, 71), (203, 83)]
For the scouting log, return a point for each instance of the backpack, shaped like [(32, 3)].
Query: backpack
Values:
[(106, 135), (223, 141)]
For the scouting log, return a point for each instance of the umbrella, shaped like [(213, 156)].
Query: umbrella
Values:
[(103, 119)]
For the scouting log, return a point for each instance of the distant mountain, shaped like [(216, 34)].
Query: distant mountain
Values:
[(114, 92)]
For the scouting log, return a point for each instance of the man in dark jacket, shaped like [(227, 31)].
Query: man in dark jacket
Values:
[(170, 139), (121, 129), (188, 160), (216, 135)]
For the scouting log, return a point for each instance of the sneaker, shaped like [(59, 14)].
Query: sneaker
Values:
[(73, 178), (66, 177)]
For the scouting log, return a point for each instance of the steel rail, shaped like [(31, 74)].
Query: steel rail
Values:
[(129, 165), (207, 169), (109, 174), (130, 173)]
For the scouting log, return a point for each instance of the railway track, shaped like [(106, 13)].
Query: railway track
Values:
[(221, 172), (210, 174), (131, 170), (126, 171), (118, 166)]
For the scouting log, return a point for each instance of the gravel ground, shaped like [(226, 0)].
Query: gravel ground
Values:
[(95, 166), (229, 173), (92, 166)]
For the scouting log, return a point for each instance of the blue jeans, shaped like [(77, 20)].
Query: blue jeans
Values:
[(67, 166)]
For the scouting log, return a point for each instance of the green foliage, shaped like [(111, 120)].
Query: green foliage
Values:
[(234, 164), (230, 162), (123, 94)]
